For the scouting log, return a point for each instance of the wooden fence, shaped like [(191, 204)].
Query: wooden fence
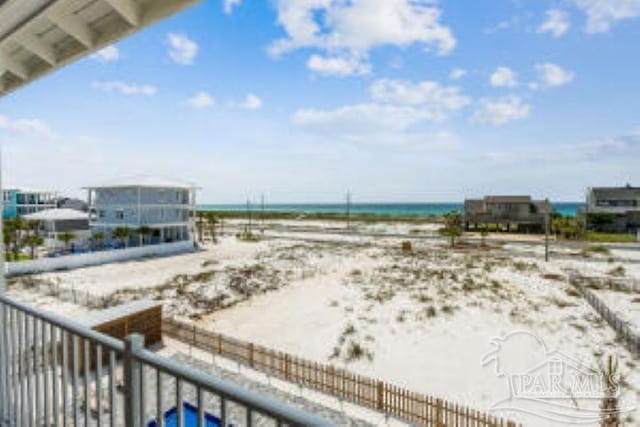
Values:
[(413, 407), (624, 330)]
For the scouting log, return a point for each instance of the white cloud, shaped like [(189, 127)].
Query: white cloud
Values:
[(125, 88), (251, 102), (107, 54), (557, 23), (554, 75), (341, 66), (229, 5), (25, 126), (363, 118), (182, 49), (457, 73), (501, 111), (601, 14), (427, 94), (201, 100), (503, 77), (357, 26)]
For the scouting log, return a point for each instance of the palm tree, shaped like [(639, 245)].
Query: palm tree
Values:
[(12, 230), (32, 241), (484, 232), (97, 238), (452, 226), (143, 231), (200, 218), (7, 238), (66, 238), (122, 234), (212, 220)]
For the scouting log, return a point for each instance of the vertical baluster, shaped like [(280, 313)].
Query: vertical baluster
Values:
[(143, 396), (8, 357), (249, 417), (11, 366), (223, 411), (21, 419), (87, 382), (3, 360), (159, 409), (74, 379), (36, 368), (99, 383), (179, 404), (28, 323), (45, 371), (200, 400), (65, 376), (113, 403), (54, 376)]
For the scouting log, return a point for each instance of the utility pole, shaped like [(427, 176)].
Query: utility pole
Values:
[(262, 213), (546, 232), (249, 216), (348, 210)]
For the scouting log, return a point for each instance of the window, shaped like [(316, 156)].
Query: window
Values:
[(119, 214), (101, 214)]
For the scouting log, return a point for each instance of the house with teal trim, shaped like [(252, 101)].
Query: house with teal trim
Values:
[(18, 202)]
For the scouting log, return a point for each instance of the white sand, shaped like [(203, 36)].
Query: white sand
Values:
[(309, 293)]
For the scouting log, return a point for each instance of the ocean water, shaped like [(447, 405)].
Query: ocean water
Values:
[(391, 209)]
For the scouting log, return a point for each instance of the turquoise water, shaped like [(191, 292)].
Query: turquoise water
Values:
[(417, 209)]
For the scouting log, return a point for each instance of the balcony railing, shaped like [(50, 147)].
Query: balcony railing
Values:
[(55, 372)]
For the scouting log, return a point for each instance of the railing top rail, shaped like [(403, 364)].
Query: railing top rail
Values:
[(231, 391), (63, 323)]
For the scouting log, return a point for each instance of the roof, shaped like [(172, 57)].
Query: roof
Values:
[(145, 181), (617, 193), (508, 199), (40, 36), (57, 215), (126, 309)]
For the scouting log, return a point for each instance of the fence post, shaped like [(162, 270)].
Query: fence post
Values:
[(380, 403), (132, 387)]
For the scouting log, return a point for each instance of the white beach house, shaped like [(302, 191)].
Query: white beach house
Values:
[(154, 210)]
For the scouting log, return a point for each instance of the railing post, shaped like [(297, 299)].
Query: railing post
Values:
[(132, 370)]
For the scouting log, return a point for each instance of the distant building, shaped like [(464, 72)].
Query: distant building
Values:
[(52, 222), (19, 202), (507, 212), (161, 205), (613, 209), (70, 203)]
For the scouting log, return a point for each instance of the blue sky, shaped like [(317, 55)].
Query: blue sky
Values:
[(396, 100)]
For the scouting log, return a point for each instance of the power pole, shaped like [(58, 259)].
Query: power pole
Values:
[(262, 213), (348, 210), (249, 216), (546, 232)]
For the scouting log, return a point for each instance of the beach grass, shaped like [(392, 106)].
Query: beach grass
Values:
[(325, 216), (592, 236)]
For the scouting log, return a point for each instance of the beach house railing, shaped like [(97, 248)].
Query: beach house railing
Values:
[(56, 372)]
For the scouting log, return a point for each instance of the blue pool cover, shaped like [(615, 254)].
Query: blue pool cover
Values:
[(190, 418)]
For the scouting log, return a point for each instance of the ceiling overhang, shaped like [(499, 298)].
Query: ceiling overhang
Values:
[(40, 36)]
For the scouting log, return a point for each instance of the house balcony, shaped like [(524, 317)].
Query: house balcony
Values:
[(56, 372)]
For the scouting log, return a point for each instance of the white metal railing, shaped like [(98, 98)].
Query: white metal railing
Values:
[(55, 372)]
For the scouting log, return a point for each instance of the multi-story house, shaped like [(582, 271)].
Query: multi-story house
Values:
[(613, 209), (19, 202), (162, 207), (507, 212)]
